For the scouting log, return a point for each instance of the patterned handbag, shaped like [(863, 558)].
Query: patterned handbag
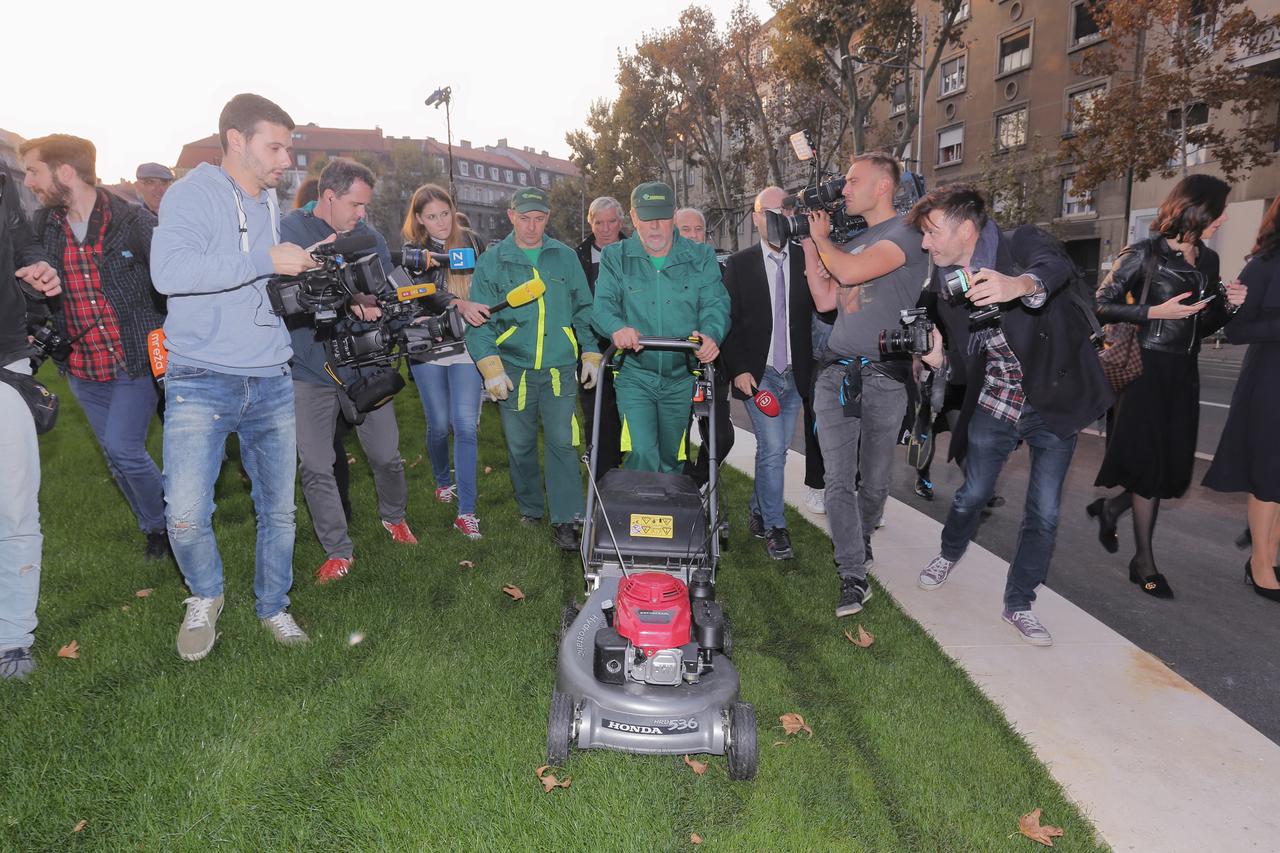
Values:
[(1122, 355)]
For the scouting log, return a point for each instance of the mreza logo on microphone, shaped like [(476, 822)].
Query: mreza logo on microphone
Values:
[(462, 259)]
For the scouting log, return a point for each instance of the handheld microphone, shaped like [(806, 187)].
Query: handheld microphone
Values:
[(522, 294), (353, 244), (458, 260), (767, 403)]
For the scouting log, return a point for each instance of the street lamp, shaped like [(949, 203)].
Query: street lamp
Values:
[(442, 96)]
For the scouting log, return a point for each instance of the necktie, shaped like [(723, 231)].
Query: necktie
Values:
[(780, 362)]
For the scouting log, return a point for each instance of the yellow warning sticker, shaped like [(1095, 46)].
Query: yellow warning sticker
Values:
[(653, 526)]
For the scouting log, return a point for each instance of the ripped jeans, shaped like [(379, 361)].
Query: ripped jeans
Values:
[(203, 407)]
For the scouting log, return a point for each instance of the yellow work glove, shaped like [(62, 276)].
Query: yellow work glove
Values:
[(496, 382), (590, 370)]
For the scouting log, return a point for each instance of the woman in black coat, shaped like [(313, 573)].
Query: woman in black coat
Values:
[(1248, 457), (1168, 285)]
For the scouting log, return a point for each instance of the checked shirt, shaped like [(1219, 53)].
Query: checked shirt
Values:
[(91, 321)]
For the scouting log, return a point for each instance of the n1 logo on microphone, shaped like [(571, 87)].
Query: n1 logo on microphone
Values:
[(462, 259)]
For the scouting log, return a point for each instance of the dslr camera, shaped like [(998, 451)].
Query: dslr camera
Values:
[(956, 286), (824, 192), (48, 343), (912, 338)]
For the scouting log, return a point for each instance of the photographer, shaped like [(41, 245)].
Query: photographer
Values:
[(1031, 375), (101, 246), (859, 397), (20, 539), (345, 190), (228, 363)]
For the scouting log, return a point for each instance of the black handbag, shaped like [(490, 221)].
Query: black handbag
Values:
[(42, 402)]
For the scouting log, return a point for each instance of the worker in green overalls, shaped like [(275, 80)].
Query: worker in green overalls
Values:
[(657, 283), (528, 356)]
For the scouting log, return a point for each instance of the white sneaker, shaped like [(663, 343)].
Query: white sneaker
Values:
[(815, 500), (284, 629), (199, 627)]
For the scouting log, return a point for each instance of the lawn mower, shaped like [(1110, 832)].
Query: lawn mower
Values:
[(645, 664)]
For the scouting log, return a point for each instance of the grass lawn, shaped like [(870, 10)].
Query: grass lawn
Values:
[(425, 734)]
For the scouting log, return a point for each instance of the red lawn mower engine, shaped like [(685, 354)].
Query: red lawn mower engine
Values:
[(660, 631)]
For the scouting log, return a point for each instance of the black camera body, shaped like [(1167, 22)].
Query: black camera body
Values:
[(912, 338), (324, 292), (826, 195), (48, 342), (956, 286)]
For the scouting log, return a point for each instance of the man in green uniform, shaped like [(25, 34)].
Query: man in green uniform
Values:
[(658, 283), (527, 356)]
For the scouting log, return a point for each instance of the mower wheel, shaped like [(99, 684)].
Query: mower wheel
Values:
[(742, 742), (560, 724), (567, 616)]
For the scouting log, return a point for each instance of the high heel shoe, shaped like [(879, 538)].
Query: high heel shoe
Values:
[(1271, 594), (1106, 527), (1153, 584)]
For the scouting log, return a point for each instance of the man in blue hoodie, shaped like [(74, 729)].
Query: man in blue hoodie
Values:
[(228, 363)]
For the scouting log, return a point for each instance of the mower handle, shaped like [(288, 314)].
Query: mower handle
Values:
[(690, 344)]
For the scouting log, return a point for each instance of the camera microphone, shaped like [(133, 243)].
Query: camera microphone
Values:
[(351, 245), (522, 294)]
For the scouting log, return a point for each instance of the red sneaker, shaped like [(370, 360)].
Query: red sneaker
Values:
[(446, 494), (334, 568), (468, 526), (400, 532)]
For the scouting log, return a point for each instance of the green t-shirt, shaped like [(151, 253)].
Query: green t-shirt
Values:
[(657, 262), (533, 255)]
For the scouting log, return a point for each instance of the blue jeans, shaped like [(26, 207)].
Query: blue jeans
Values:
[(773, 435), (990, 443), (20, 539), (451, 398), (120, 411), (203, 407)]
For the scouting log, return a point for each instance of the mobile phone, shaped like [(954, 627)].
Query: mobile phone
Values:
[(1205, 301)]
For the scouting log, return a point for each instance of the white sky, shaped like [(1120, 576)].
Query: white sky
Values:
[(141, 78)]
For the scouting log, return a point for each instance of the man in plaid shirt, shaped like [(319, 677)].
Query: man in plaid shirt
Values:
[(101, 247), (1031, 375)]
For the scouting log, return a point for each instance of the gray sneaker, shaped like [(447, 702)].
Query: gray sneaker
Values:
[(199, 627), (1028, 627), (284, 629), (936, 573), (16, 664)]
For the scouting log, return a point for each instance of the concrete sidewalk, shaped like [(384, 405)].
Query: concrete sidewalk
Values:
[(1153, 761)]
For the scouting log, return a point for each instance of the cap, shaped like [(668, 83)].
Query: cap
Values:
[(653, 200), (155, 170), (530, 199)]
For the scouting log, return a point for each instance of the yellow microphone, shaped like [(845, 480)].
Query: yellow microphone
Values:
[(415, 291), (523, 294)]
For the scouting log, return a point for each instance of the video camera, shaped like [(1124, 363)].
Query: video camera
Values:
[(956, 286), (825, 192), (912, 338)]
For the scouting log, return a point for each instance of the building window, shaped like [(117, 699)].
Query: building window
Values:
[(963, 13), (1078, 104), (1011, 129), (1200, 25), (507, 174), (951, 145), (1083, 28), (480, 172), (302, 160), (544, 179), (464, 168), (439, 164), (1015, 51), (524, 179), (899, 99), (953, 71), (1076, 203), (1197, 118)]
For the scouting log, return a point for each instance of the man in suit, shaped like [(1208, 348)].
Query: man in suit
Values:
[(769, 348)]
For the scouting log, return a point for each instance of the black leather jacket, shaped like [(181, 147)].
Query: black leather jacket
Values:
[(1171, 275)]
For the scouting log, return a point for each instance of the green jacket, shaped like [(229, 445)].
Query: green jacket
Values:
[(542, 334), (685, 295)]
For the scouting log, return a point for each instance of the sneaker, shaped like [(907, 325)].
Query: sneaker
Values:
[(334, 568), (447, 494), (996, 502), (530, 519), (157, 546), (778, 544), (815, 500), (854, 594), (285, 630), (400, 532), (936, 573), (755, 523), (1028, 626), (566, 536), (869, 559), (199, 627), (17, 664), (468, 525), (924, 488)]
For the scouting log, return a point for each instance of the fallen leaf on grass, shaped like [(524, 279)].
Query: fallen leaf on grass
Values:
[(779, 743), (351, 460), (466, 564), (417, 460), (488, 469), (513, 591), (698, 767), (864, 639), (125, 608), (356, 638), (143, 593), (79, 826), (695, 838), (549, 780), (70, 650), (794, 723), (1029, 825)]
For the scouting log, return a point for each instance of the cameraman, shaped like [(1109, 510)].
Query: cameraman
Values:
[(20, 539), (101, 246), (345, 190), (1031, 376), (228, 365), (858, 399)]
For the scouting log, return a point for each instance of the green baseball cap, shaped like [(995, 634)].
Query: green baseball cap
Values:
[(530, 199), (653, 200)]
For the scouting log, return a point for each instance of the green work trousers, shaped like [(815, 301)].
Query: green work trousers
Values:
[(655, 418), (551, 394)]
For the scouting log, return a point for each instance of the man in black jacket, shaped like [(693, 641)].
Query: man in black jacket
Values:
[(101, 247), (1031, 375), (604, 216)]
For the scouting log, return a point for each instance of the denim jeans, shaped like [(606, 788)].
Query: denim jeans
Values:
[(451, 398), (773, 436), (990, 442), (120, 411), (20, 539), (203, 407)]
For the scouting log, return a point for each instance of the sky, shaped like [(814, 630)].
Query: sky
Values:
[(140, 78)]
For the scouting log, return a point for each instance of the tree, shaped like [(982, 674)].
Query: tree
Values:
[(611, 160), (747, 47), (406, 168), (1174, 64), (1022, 190), (568, 202)]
